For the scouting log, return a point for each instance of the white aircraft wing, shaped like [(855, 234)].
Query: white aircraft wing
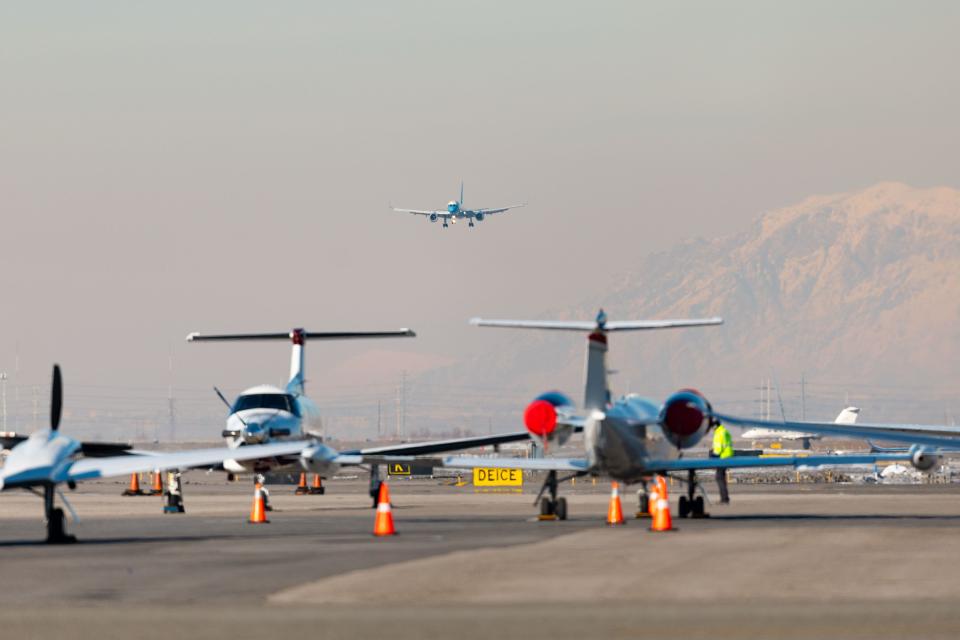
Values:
[(491, 211), (936, 436), (530, 464), (421, 212), (90, 468), (748, 462)]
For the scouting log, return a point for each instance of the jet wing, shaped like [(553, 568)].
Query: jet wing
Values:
[(90, 468), (528, 464), (940, 437), (455, 444), (747, 462), (420, 212), (490, 212)]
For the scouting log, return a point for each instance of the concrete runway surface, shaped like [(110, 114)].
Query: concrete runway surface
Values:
[(801, 561)]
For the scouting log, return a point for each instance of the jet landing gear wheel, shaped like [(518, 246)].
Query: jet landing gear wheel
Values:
[(560, 508), (553, 509), (691, 506)]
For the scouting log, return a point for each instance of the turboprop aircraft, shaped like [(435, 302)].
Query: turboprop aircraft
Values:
[(455, 211), (47, 458), (631, 438), (267, 414)]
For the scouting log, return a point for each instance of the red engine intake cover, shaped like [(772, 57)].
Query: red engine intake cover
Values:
[(685, 417), (540, 417)]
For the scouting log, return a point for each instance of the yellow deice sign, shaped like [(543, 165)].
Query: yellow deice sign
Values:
[(491, 477)]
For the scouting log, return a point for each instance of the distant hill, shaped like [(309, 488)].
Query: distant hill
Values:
[(859, 292)]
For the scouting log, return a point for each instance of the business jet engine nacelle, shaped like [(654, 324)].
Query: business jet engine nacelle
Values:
[(479, 216), (433, 217), (924, 460), (544, 418), (319, 458), (686, 418)]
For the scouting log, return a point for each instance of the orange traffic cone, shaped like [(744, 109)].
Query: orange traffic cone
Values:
[(134, 488), (317, 487), (383, 525), (615, 511), (157, 489), (653, 498), (662, 485), (662, 520), (302, 487), (258, 513)]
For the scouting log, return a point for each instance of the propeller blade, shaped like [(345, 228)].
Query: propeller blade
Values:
[(56, 399), (229, 406)]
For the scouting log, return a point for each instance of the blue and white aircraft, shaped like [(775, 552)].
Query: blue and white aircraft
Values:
[(455, 210)]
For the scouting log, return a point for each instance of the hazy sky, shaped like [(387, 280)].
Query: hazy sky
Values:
[(170, 167)]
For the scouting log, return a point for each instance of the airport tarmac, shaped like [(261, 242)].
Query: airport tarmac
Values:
[(794, 561)]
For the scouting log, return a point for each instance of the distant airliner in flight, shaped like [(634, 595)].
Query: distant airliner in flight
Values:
[(455, 210)]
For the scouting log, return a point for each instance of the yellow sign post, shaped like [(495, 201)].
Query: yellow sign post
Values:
[(399, 469), (493, 477)]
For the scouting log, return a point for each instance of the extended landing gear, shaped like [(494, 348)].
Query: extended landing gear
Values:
[(551, 507), (56, 522), (445, 225), (689, 505), (375, 481), (643, 501), (471, 225)]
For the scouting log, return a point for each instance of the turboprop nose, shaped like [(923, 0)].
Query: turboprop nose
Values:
[(254, 433)]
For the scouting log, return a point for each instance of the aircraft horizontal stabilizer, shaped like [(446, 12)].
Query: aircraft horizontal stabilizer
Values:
[(623, 325), (306, 335)]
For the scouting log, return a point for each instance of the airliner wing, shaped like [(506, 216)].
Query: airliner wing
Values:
[(90, 468), (757, 462), (419, 212), (490, 212), (935, 436)]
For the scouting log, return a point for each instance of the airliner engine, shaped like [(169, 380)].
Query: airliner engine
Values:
[(924, 460), (479, 216), (433, 217), (685, 417)]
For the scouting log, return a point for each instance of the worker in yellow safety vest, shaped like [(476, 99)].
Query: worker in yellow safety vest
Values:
[(722, 448)]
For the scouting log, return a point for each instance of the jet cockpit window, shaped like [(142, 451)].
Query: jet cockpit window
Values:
[(279, 401)]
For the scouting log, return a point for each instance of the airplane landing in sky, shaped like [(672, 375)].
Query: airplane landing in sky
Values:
[(455, 210)]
